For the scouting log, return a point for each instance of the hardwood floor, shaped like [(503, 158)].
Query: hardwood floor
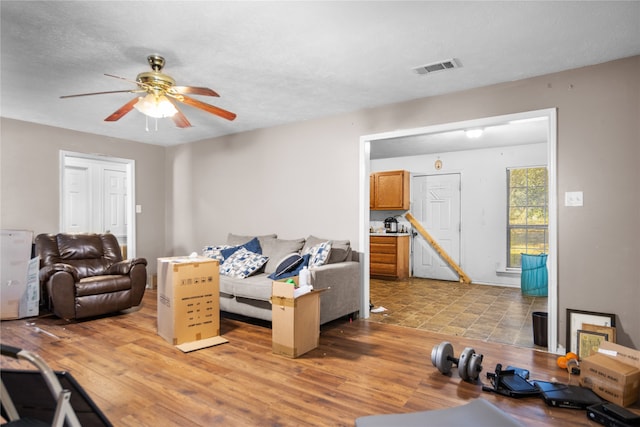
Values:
[(360, 368)]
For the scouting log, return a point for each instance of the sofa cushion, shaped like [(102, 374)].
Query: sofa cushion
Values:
[(214, 252), (276, 249), (340, 249), (242, 263), (256, 287), (238, 240), (319, 254)]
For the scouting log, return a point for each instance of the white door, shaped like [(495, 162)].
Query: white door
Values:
[(96, 197), (77, 203), (436, 206), (115, 202)]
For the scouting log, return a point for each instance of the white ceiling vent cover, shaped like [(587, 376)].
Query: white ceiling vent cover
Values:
[(447, 64)]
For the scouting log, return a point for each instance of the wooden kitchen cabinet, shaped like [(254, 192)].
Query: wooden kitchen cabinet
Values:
[(389, 190), (389, 256)]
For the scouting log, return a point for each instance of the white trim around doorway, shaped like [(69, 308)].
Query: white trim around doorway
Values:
[(363, 203)]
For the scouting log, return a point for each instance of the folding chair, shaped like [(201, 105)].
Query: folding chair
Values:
[(45, 397)]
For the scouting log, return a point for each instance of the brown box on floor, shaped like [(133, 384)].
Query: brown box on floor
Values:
[(188, 299), (613, 373), (295, 322)]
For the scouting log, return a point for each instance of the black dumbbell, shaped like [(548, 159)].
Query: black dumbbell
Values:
[(469, 364)]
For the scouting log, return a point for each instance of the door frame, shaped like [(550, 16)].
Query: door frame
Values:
[(552, 261), (130, 211)]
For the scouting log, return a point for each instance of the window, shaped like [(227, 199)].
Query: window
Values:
[(527, 228)]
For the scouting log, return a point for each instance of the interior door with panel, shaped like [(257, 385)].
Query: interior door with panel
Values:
[(436, 205), (76, 199), (95, 198), (115, 204)]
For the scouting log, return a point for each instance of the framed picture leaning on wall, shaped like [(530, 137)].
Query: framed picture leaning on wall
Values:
[(588, 342), (575, 320)]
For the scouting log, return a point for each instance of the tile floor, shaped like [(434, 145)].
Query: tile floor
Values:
[(487, 313)]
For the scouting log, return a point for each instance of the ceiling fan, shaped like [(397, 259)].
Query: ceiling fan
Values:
[(162, 94)]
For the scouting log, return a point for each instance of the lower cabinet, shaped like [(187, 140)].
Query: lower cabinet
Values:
[(389, 257)]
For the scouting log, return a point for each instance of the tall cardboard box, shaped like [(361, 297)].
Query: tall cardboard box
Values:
[(295, 322), (19, 285), (188, 299), (613, 373)]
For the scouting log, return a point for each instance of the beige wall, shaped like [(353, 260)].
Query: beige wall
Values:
[(303, 178), (30, 174)]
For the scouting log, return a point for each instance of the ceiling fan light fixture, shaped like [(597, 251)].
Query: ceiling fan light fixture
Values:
[(157, 106)]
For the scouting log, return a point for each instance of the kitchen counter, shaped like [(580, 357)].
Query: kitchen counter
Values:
[(389, 234)]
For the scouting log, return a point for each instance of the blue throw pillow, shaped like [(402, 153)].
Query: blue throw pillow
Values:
[(286, 264), (252, 245), (294, 272)]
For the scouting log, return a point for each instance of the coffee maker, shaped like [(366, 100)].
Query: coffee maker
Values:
[(391, 225)]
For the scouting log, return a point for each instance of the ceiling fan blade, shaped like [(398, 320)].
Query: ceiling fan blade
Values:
[(117, 115), (125, 79), (184, 90), (103, 93), (179, 118), (206, 107)]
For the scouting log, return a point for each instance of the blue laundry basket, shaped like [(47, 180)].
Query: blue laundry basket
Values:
[(534, 279)]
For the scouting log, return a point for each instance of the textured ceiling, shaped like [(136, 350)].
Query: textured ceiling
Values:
[(280, 62)]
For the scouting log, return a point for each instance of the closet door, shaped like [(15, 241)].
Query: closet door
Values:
[(115, 201), (95, 198), (77, 199)]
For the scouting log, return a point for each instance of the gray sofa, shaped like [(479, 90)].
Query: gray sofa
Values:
[(250, 296)]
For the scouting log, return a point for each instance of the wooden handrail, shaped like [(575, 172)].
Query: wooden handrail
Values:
[(443, 254)]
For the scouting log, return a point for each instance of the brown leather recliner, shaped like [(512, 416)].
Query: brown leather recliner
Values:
[(84, 275)]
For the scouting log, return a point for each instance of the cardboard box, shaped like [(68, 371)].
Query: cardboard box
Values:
[(188, 299), (295, 322), (19, 292), (30, 302), (613, 373)]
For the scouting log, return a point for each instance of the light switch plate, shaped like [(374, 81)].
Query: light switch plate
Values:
[(573, 198), (138, 208)]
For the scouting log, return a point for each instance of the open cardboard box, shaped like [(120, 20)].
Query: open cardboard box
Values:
[(613, 373), (295, 323)]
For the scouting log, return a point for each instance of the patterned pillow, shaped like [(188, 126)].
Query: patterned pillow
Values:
[(242, 263), (319, 254), (214, 252)]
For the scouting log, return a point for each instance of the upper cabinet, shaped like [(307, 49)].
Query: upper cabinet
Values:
[(389, 190)]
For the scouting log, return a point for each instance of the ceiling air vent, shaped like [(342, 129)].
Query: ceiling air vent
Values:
[(447, 64)]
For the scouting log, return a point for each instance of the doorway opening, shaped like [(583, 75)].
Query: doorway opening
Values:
[(97, 195), (387, 148)]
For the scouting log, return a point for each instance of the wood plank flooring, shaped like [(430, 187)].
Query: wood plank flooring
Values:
[(360, 368)]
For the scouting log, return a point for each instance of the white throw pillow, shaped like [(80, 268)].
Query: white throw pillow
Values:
[(319, 254), (213, 252), (242, 263)]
